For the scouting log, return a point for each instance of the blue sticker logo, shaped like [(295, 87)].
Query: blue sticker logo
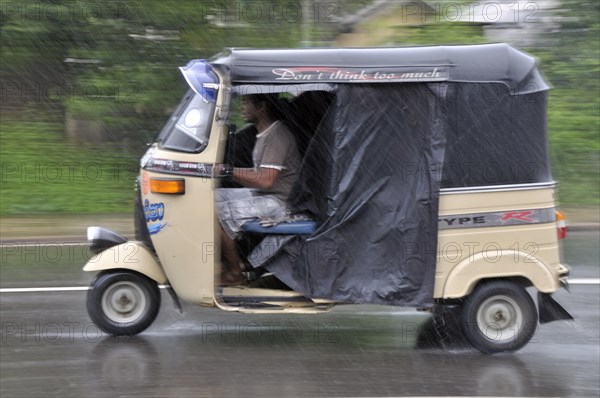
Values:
[(156, 228), (153, 211)]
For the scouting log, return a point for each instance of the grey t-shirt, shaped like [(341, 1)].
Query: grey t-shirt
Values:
[(276, 149)]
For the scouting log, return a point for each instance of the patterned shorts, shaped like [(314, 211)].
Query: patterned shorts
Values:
[(237, 206)]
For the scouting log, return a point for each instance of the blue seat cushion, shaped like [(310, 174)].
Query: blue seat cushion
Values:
[(285, 228)]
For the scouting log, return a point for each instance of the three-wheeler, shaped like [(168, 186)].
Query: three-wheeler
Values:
[(425, 183)]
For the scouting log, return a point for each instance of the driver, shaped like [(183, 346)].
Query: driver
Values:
[(267, 185)]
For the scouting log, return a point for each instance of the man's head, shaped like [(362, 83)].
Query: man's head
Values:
[(255, 107)]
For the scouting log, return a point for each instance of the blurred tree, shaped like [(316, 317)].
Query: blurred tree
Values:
[(121, 58), (573, 67)]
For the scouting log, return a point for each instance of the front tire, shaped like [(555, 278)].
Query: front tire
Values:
[(499, 316), (123, 303)]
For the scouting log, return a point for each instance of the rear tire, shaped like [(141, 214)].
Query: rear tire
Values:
[(123, 303), (499, 316)]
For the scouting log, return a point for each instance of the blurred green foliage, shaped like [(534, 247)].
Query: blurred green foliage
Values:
[(115, 64), (445, 33), (573, 68)]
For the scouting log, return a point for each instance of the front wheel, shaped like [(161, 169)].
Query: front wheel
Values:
[(499, 316), (123, 303)]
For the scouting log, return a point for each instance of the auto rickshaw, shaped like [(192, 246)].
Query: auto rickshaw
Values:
[(425, 183)]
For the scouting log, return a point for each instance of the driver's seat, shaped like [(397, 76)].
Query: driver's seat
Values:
[(303, 227)]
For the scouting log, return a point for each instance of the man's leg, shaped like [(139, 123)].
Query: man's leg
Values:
[(225, 199), (233, 214), (233, 262)]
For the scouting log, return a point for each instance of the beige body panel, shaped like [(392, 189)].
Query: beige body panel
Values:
[(133, 256), (186, 243), (468, 255), (188, 239), (513, 197)]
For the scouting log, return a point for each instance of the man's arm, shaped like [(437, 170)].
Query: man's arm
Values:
[(261, 178)]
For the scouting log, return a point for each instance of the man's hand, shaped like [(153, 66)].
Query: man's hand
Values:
[(222, 170), (262, 178)]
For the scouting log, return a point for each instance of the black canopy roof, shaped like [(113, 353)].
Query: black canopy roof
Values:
[(487, 63)]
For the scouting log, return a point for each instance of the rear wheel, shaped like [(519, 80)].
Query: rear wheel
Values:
[(499, 316), (123, 303)]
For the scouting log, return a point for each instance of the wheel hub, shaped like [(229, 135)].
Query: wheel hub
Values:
[(499, 318), (124, 302)]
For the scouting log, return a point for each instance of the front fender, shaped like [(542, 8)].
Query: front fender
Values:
[(131, 255), (505, 264)]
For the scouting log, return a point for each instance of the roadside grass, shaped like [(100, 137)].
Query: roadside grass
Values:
[(43, 172)]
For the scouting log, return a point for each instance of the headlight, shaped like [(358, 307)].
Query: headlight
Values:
[(192, 118)]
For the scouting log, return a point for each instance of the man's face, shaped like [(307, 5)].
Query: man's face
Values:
[(248, 110)]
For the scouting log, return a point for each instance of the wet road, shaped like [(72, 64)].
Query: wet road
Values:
[(49, 347)]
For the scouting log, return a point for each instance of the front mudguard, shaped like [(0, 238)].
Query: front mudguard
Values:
[(132, 255)]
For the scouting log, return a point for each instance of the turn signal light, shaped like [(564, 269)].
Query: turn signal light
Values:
[(561, 224), (173, 186)]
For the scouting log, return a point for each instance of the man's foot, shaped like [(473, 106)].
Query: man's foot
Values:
[(246, 267), (232, 279)]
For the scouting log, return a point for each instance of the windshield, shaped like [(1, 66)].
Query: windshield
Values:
[(188, 129)]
